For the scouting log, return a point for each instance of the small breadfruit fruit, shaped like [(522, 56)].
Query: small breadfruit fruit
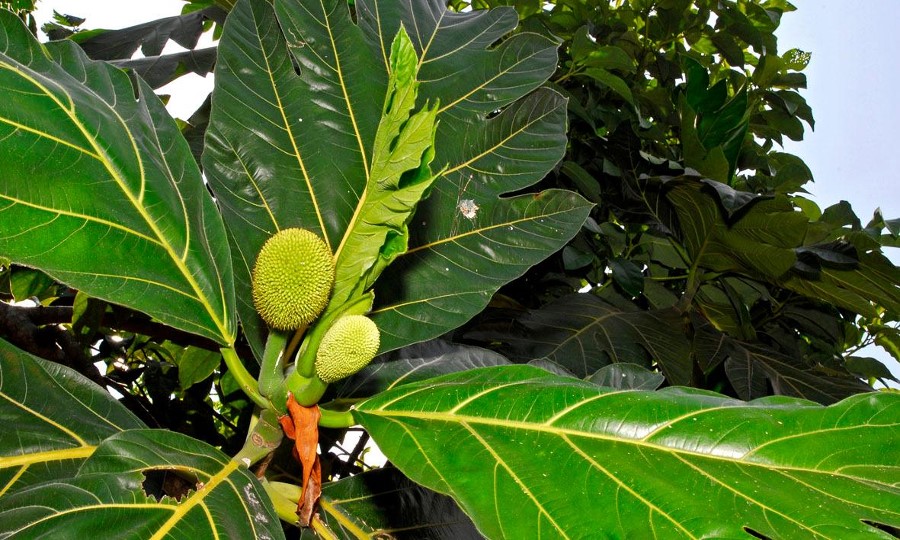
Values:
[(347, 347), (292, 278)]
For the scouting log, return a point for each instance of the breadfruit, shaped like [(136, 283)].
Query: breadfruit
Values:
[(292, 278), (347, 347)]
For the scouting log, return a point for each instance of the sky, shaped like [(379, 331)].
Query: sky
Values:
[(851, 79)]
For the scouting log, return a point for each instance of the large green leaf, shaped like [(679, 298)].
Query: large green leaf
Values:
[(385, 504), (108, 498), (99, 189), (507, 442), (58, 416), (873, 283)]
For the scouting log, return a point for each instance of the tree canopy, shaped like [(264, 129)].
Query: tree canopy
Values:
[(604, 301)]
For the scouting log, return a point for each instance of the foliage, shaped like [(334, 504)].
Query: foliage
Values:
[(592, 188)]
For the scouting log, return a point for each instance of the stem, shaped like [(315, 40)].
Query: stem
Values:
[(264, 437), (306, 390), (284, 506), (246, 381), (271, 373), (336, 419)]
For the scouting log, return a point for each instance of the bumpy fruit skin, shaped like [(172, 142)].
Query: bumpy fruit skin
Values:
[(292, 278), (348, 346)]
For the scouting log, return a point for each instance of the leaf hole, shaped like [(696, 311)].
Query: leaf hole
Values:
[(756, 534), (893, 531), (162, 483)]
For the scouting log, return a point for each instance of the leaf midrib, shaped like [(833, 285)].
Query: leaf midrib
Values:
[(467, 421)]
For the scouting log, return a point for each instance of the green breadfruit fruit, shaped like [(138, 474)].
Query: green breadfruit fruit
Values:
[(292, 278), (348, 346)]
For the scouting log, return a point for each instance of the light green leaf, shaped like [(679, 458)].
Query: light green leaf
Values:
[(507, 442), (399, 178), (136, 225), (58, 417), (109, 497)]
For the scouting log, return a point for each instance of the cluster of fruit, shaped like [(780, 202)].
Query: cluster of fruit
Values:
[(292, 282)]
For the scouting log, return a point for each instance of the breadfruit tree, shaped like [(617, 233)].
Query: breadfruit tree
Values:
[(548, 256)]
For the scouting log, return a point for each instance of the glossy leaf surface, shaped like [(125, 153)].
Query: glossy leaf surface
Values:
[(289, 147), (59, 417), (507, 442), (100, 190)]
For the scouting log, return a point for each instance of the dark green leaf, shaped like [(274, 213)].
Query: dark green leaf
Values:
[(507, 443), (196, 364), (875, 281), (587, 185), (627, 275), (761, 240), (613, 82), (731, 200), (109, 497), (159, 71), (58, 418), (150, 37), (868, 368), (415, 363), (25, 283), (285, 171), (748, 363), (583, 333), (841, 214), (137, 225)]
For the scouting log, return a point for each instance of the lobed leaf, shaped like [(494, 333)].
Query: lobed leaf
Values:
[(507, 442), (295, 109)]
